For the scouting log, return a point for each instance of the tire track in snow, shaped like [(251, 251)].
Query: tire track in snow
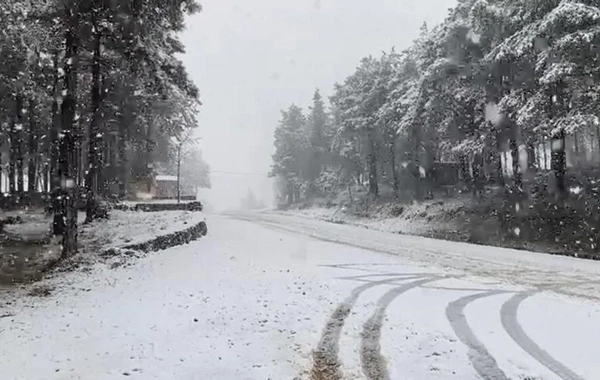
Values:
[(373, 363), (483, 362), (326, 363), (508, 314)]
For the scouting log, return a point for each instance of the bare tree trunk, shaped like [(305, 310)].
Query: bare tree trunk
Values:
[(558, 155), (598, 139), (68, 144), (516, 167), (12, 161), (499, 153), (179, 174), (18, 141), (95, 136), (416, 162), (58, 224), (372, 164), (559, 162), (123, 160), (150, 145), (1, 179), (46, 178), (33, 151), (395, 177)]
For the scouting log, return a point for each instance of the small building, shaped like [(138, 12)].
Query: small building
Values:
[(165, 187)]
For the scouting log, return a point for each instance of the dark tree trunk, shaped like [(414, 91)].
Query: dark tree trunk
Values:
[(478, 175), (395, 176), (55, 186), (559, 162), (150, 145), (95, 153), (123, 173), (598, 139), (558, 156), (372, 164), (46, 178), (499, 154), (12, 162), (179, 173), (68, 144), (18, 142), (531, 158), (54, 130), (516, 167), (1, 180), (33, 151)]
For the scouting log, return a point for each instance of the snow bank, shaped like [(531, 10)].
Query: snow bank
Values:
[(128, 227)]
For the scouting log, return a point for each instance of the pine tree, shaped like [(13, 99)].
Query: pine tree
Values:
[(317, 125), (291, 153)]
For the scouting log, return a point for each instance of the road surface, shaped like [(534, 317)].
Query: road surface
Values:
[(268, 296)]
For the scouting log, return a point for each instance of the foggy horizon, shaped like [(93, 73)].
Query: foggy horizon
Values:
[(251, 63)]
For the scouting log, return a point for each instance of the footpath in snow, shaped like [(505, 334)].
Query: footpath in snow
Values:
[(268, 296)]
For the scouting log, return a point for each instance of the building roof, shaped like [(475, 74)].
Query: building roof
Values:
[(166, 178)]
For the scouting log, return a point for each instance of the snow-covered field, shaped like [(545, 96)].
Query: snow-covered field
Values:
[(268, 296)]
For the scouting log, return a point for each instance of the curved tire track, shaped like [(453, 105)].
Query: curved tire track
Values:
[(373, 363), (326, 364), (508, 314), (483, 362)]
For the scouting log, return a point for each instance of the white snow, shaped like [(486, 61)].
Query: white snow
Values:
[(251, 301), (169, 178), (128, 227), (493, 114)]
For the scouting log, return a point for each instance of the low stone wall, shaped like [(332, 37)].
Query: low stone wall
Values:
[(165, 241), (155, 207)]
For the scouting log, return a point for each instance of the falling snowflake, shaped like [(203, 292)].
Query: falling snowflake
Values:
[(576, 190), (557, 145), (473, 37), (493, 114)]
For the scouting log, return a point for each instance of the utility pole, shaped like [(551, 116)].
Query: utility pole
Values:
[(185, 139), (179, 171)]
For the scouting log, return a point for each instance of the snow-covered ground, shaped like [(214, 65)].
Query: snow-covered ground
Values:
[(425, 219), (130, 227), (268, 296)]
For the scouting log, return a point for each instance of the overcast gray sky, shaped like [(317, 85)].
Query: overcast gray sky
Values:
[(251, 59)]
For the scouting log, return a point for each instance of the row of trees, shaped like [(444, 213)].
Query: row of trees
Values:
[(489, 91), (91, 95)]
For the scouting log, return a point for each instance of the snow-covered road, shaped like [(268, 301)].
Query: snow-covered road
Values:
[(268, 296)]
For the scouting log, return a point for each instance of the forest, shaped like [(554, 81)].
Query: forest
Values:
[(93, 102), (503, 94)]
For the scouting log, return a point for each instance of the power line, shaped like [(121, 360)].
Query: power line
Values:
[(262, 174)]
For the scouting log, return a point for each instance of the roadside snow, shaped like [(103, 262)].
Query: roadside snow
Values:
[(421, 219), (130, 227)]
